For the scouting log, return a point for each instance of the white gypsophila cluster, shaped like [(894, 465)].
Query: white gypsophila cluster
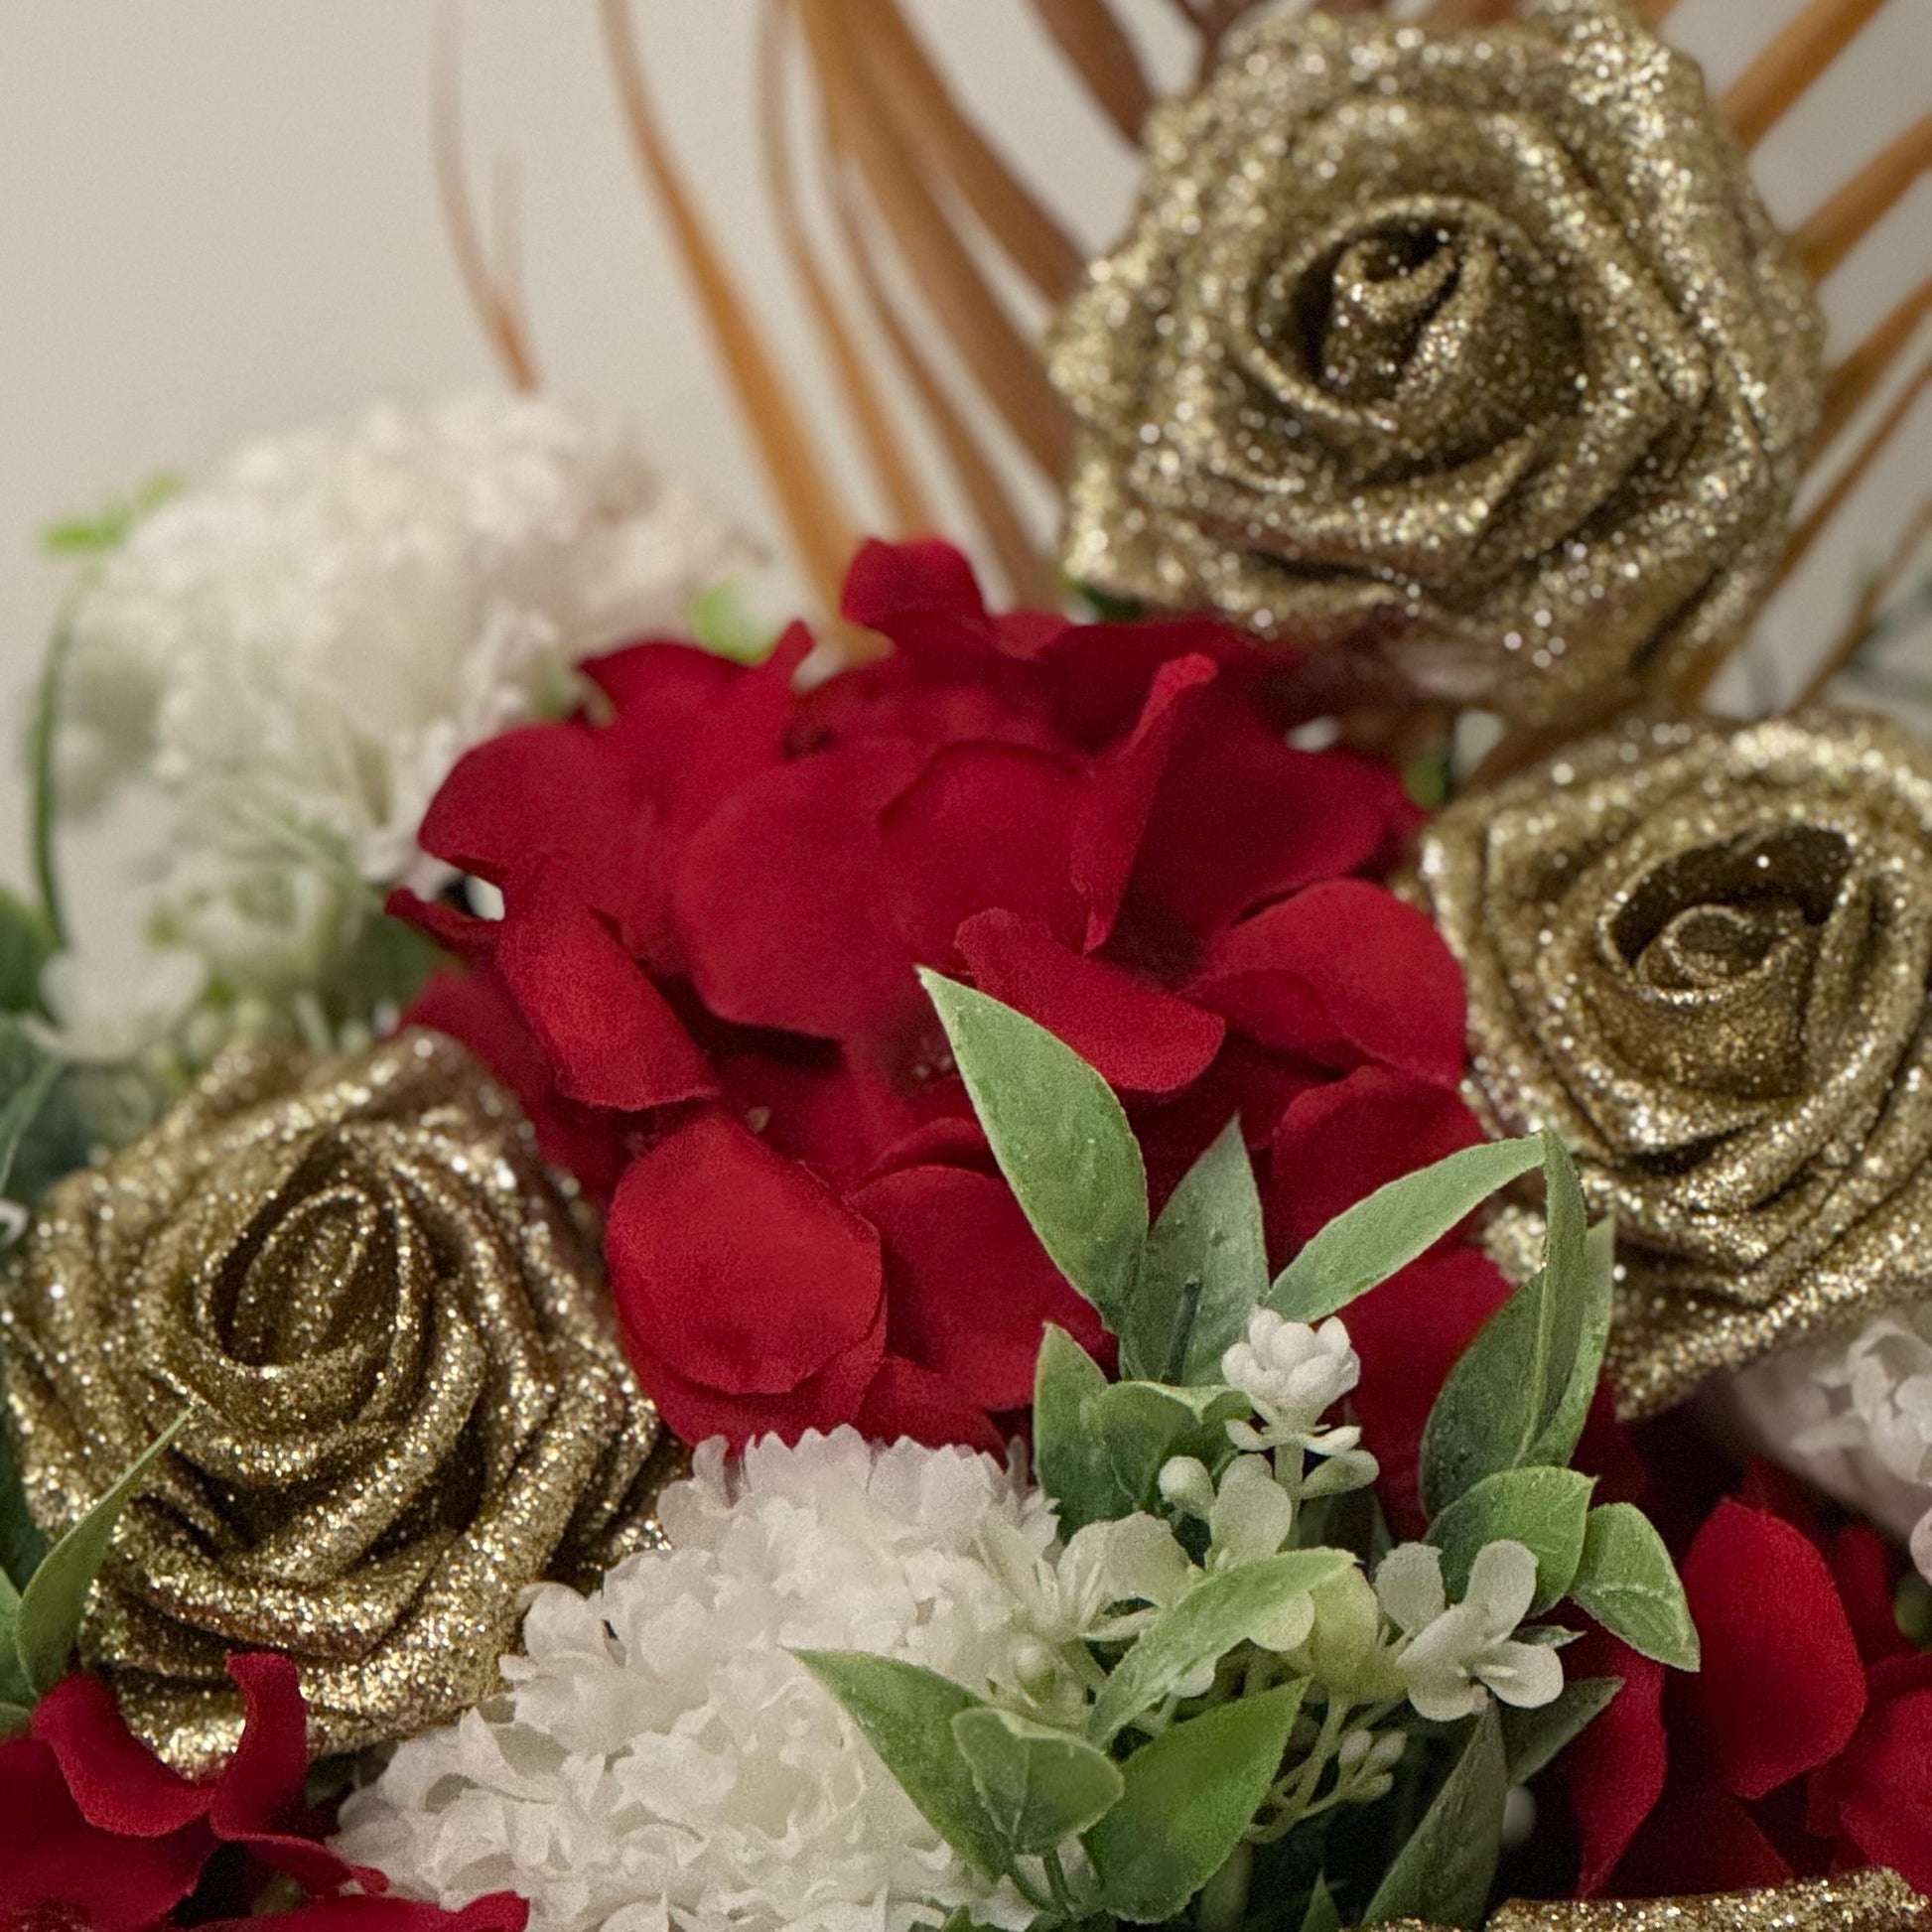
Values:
[(661, 1759), (297, 651), (1853, 1417)]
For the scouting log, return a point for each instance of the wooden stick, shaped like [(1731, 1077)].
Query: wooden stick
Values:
[(494, 297), (1850, 385), (890, 461), (820, 528), (1866, 613), (1829, 235), (1773, 83), (1098, 50), (1848, 480)]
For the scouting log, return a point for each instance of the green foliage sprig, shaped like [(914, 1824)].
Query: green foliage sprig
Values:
[(1216, 1680)]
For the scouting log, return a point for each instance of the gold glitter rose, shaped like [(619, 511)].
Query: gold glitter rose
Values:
[(1862, 1901), (1476, 350), (406, 1399), (1699, 952)]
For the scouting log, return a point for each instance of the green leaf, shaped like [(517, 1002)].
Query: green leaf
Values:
[(14, 1718), (1060, 1138), (1323, 1914), (55, 1596), (1189, 1796), (1531, 1738), (22, 1546), (25, 945), (19, 1112), (906, 1713), (1629, 1583), (1068, 1459), (1443, 1874), (1377, 1237), (1543, 1509), (1039, 1786), (1557, 1441), (1218, 1613), (1526, 1380), (1137, 1426), (1204, 1273), (14, 1687)]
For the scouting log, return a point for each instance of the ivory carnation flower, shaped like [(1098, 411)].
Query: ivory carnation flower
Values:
[(661, 1757)]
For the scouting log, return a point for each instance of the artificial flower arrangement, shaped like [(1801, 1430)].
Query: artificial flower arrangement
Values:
[(958, 1271)]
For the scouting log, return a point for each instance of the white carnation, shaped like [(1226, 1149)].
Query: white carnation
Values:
[(661, 1759), (299, 650)]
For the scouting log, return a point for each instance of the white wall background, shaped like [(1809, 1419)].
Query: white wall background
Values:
[(218, 219)]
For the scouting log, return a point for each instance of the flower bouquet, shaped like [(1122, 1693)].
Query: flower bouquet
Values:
[(1008, 1270)]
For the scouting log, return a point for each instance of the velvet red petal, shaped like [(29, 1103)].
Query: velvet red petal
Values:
[(1781, 1688), (498, 1911), (1120, 795), (118, 1784), (981, 825), (1139, 1039), (1867, 1570), (1615, 1780), (1336, 1144), (781, 899), (1410, 1332), (1343, 973), (906, 1400), (969, 1287), (609, 1033), (1878, 1794), (1699, 1839), (924, 597), (736, 1271)]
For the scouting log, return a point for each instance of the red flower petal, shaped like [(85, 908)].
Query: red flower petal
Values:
[(782, 900), (1616, 1778), (118, 1784), (924, 597), (1867, 1570), (981, 825), (1336, 1144), (607, 1031), (498, 1911), (1136, 1036), (906, 1399), (735, 1271), (1699, 1839), (1781, 1689), (1120, 795), (1410, 1332), (1343, 973), (970, 1288)]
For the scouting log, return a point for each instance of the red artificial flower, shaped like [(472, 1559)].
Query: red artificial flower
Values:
[(717, 889), (96, 1832), (1803, 1744)]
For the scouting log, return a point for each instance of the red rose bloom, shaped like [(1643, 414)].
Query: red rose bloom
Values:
[(96, 1832), (717, 889)]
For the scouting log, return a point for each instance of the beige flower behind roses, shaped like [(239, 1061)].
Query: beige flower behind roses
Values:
[(1478, 349), (406, 1398), (1699, 953)]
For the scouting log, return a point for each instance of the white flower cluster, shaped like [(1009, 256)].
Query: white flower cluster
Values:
[(662, 1759), (297, 651)]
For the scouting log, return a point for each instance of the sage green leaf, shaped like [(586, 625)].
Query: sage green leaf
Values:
[(55, 1596), (1542, 1509), (1218, 1613), (1323, 1914), (26, 941), (14, 1688), (14, 1718), (906, 1713), (1189, 1796), (1528, 1375), (1531, 1738), (1137, 1425), (1039, 1786), (1378, 1237), (1060, 1138), (22, 1546), (1204, 1272), (1557, 1441), (1443, 1874), (1068, 1457), (1629, 1583), (19, 1112)]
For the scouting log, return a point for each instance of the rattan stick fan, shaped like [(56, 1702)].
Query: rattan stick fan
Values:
[(936, 241)]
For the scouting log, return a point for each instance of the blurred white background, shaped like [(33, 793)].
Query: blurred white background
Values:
[(219, 219)]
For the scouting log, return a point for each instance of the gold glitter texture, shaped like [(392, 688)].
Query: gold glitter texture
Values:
[(1474, 350), (1864, 1901), (1699, 953), (406, 1397)]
